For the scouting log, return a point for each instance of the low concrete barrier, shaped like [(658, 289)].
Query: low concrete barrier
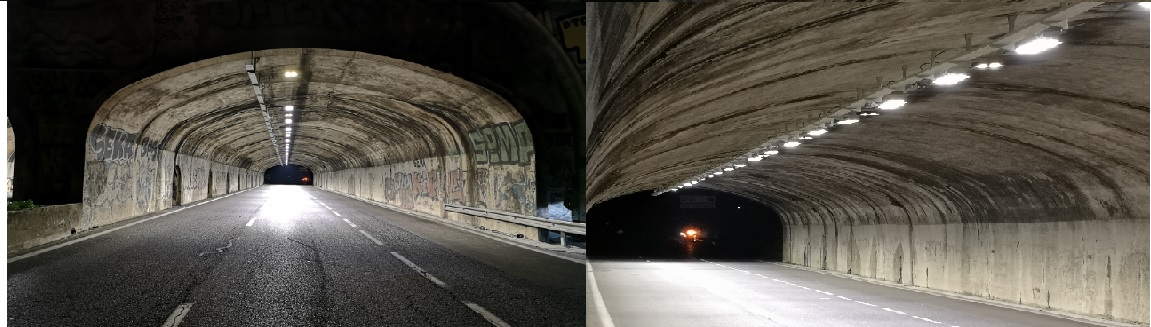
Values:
[(511, 223), (31, 227)]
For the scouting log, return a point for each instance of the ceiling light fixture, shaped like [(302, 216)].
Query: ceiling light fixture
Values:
[(817, 132), (288, 121), (848, 121), (948, 79), (1037, 45), (892, 104), (791, 144), (728, 169), (754, 158), (771, 152), (291, 73), (289, 108)]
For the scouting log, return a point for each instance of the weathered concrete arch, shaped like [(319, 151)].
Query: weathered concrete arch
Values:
[(352, 111), (1028, 184), (507, 48)]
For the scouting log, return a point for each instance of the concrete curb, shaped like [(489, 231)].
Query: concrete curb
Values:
[(1002, 304), (576, 255)]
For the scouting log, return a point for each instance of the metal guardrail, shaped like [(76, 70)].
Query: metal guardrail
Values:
[(549, 224)]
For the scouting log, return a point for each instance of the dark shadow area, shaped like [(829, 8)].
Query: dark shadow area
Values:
[(684, 224), (289, 175)]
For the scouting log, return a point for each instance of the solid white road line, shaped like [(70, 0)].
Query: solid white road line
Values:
[(438, 282), (250, 222), (597, 299), (337, 213), (496, 321), (349, 222), (370, 237), (178, 315), (85, 238)]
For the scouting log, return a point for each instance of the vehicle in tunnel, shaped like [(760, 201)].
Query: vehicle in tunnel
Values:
[(686, 224)]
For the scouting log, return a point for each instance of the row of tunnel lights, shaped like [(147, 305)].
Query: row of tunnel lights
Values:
[(288, 110), (893, 101)]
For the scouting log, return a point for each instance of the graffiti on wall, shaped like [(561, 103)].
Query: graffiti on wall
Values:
[(114, 144), (502, 143), (574, 36), (457, 185)]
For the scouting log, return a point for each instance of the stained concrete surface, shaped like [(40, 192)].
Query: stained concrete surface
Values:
[(297, 265), (671, 293), (1027, 184)]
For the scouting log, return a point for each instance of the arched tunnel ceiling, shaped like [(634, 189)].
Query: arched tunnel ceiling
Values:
[(351, 109), (677, 89)]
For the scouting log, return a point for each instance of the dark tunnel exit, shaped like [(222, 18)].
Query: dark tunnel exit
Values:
[(288, 175), (684, 224)]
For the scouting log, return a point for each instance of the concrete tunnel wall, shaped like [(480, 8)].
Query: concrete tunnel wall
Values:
[(1027, 185), (370, 126)]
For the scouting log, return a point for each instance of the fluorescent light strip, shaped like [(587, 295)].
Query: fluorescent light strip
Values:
[(1008, 40)]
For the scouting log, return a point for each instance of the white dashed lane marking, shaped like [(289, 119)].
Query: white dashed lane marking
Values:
[(827, 293)]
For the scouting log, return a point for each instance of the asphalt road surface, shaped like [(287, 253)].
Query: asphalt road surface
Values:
[(291, 256), (698, 293)]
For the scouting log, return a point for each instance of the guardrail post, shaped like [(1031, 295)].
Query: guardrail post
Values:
[(563, 239)]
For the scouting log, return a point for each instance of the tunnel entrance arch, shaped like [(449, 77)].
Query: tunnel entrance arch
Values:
[(723, 225), (514, 36)]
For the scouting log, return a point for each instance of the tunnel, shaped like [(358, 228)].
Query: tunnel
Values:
[(1026, 183), (292, 163), (370, 126), (344, 51)]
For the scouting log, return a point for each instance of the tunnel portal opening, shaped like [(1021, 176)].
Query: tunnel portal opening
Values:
[(685, 224), (290, 174)]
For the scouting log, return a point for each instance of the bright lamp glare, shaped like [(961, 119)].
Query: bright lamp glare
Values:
[(892, 104), (1037, 45), (287, 115), (287, 129), (791, 144), (711, 175), (817, 132), (289, 108), (771, 152), (691, 232), (755, 158), (291, 73), (848, 121), (288, 121), (1145, 4), (950, 79)]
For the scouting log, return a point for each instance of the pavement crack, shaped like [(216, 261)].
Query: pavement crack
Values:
[(220, 249), (319, 316)]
